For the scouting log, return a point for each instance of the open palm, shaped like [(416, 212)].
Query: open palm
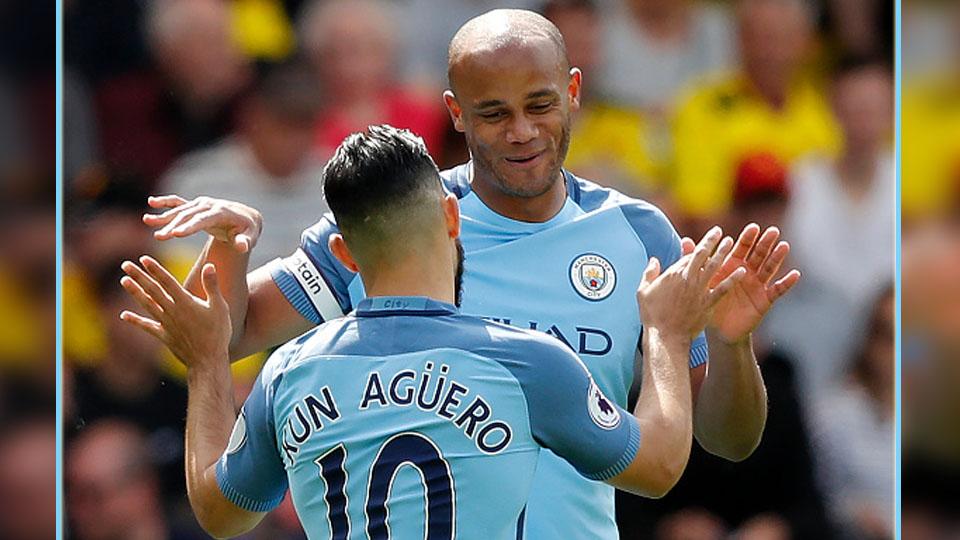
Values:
[(740, 311)]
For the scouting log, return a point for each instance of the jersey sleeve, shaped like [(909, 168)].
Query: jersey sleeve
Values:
[(312, 279), (571, 416), (250, 473), (661, 240)]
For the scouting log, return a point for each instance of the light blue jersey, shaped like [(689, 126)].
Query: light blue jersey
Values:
[(406, 419), (573, 277)]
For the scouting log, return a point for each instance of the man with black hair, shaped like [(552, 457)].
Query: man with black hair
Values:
[(406, 401)]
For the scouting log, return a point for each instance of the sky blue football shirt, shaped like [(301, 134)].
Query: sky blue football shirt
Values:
[(406, 419)]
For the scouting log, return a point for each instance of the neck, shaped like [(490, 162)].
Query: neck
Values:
[(535, 209), (414, 275)]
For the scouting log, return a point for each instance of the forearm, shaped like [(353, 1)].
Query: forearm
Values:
[(210, 418), (232, 269), (664, 412), (731, 409)]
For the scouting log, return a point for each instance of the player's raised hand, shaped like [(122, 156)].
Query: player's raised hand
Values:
[(680, 300), (762, 255), (197, 330), (228, 221)]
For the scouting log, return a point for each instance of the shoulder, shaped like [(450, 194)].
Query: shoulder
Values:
[(646, 219), (717, 93), (524, 350)]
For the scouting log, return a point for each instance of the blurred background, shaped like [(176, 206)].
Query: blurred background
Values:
[(773, 111), (27, 270), (930, 265)]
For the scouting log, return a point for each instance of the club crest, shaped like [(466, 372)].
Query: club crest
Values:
[(592, 276), (602, 412)]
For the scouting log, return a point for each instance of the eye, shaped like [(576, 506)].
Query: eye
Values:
[(494, 115), (541, 107)]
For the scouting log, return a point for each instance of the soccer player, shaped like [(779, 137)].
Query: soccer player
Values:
[(406, 418), (545, 250)]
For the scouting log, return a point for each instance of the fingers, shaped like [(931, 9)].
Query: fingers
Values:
[(149, 326), (771, 266), (706, 246), (726, 285), (157, 220), (716, 260), (784, 284), (651, 272), (686, 246), (148, 284), (185, 214), (165, 201), (211, 285), (191, 222), (164, 278), (763, 248), (745, 241), (142, 298)]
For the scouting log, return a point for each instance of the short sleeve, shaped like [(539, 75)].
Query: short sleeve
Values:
[(250, 472), (571, 416), (661, 240), (312, 279)]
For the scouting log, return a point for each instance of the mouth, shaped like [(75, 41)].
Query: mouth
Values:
[(525, 160)]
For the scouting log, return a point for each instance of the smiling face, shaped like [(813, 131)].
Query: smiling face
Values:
[(513, 101)]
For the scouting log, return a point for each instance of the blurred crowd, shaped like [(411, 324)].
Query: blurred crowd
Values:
[(778, 112)]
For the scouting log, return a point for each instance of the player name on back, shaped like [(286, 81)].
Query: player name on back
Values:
[(427, 390)]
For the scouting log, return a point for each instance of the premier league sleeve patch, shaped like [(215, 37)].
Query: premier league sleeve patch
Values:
[(602, 411), (239, 434), (593, 277)]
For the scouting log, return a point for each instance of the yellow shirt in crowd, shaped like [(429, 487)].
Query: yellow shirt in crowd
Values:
[(720, 125), (930, 148)]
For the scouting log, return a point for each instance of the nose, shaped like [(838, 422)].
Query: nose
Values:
[(521, 130)]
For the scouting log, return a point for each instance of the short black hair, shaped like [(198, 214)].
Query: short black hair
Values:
[(376, 179)]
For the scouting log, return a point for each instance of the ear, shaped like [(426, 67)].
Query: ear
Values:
[(339, 249), (453, 107), (573, 89), (451, 214)]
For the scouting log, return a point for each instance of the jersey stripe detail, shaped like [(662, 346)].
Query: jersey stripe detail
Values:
[(698, 354), (239, 499), (629, 453), (292, 291)]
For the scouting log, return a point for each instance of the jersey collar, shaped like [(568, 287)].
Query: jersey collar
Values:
[(382, 306)]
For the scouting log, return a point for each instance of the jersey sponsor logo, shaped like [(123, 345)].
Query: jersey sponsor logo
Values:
[(592, 276), (582, 340), (238, 437), (311, 280), (602, 412)]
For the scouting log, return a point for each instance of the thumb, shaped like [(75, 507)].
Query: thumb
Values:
[(242, 243), (687, 245), (211, 284), (651, 272)]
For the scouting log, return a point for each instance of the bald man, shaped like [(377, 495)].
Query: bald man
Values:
[(545, 250)]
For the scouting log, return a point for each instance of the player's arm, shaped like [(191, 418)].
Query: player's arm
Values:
[(198, 331), (262, 314), (731, 400), (647, 451)]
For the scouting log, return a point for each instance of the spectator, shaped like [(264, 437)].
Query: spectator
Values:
[(618, 146), (269, 163), (652, 49), (113, 487), (854, 433), (837, 204), (767, 108), (352, 46), (148, 118), (28, 483)]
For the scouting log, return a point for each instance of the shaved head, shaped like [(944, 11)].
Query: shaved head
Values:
[(502, 29)]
